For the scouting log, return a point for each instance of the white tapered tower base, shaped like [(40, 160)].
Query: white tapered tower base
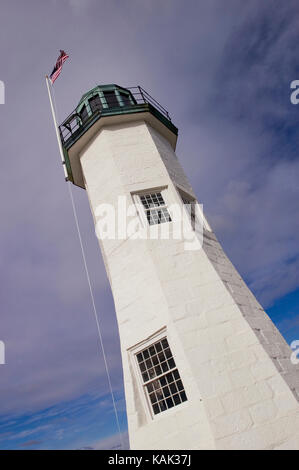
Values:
[(234, 364), (204, 366)]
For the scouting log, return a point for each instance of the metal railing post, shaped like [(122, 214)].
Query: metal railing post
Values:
[(141, 93), (67, 131)]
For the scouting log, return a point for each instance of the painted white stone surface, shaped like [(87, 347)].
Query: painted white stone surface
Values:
[(241, 386)]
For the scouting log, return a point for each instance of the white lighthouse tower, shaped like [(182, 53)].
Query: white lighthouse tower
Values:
[(204, 366)]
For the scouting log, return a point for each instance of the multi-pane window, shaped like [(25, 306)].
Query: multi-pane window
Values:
[(111, 99), (95, 103), (125, 98), (195, 213), (155, 208), (190, 205), (84, 114), (161, 379)]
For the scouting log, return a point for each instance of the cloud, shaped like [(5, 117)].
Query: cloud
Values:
[(244, 167), (67, 425), (30, 443), (113, 442), (223, 71), (289, 324)]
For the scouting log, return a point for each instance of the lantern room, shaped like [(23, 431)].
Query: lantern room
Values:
[(107, 105)]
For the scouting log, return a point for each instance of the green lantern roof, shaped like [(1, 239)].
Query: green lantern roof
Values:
[(102, 102)]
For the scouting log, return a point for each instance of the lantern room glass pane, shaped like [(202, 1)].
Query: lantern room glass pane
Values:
[(125, 98), (84, 114), (95, 103), (111, 99)]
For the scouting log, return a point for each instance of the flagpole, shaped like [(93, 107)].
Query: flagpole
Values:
[(84, 257), (56, 129)]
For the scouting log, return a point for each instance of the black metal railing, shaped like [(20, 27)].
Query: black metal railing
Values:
[(126, 98)]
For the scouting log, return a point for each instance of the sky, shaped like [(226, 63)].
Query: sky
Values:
[(223, 71)]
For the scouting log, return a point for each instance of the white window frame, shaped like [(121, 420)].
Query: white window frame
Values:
[(142, 210), (148, 406), (192, 200)]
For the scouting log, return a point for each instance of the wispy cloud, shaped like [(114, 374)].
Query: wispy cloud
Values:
[(114, 442), (223, 70), (30, 443)]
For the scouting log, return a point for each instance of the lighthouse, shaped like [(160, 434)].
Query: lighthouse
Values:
[(204, 366)]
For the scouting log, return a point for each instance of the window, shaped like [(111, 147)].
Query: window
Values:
[(111, 99), (190, 205), (95, 103), (161, 379), (155, 208), (125, 98), (195, 212), (84, 114)]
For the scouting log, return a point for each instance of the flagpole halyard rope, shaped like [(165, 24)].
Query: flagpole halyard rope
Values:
[(54, 113), (95, 311)]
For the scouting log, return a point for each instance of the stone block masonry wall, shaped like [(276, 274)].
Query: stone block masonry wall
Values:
[(234, 364), (119, 161), (248, 402), (268, 335), (240, 361)]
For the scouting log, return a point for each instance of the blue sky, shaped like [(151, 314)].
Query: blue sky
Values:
[(87, 421), (223, 70)]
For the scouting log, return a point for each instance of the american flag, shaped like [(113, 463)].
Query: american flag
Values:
[(58, 66)]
